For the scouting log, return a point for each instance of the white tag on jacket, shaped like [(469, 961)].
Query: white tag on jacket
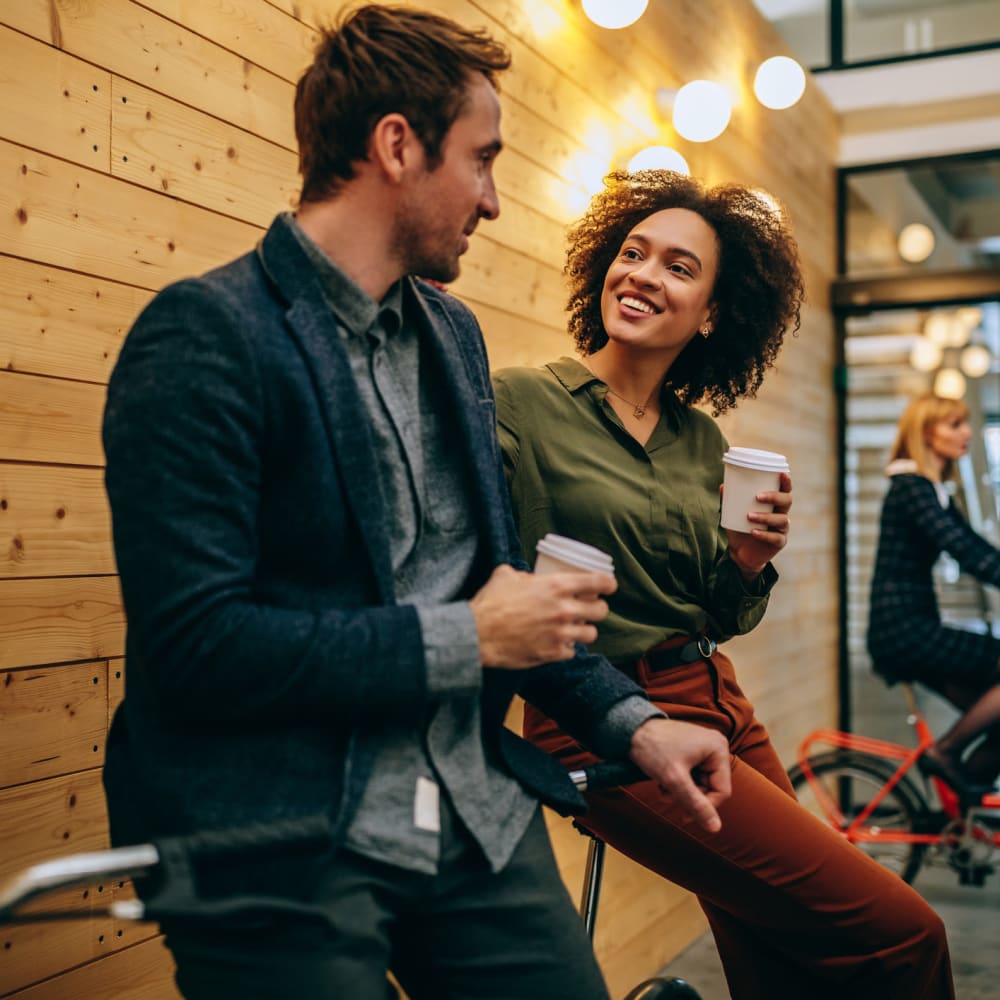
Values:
[(427, 806)]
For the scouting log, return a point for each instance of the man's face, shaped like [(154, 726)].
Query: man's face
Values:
[(443, 206)]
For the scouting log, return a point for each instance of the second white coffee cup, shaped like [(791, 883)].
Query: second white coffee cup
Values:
[(748, 471), (559, 554)]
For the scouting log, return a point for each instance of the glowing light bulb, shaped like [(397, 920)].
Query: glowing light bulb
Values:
[(975, 360), (937, 329), (915, 243), (658, 158), (949, 383), (779, 82), (614, 13), (702, 110), (925, 355), (971, 316)]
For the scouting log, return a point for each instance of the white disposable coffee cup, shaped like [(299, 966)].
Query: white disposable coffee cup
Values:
[(748, 471), (558, 554)]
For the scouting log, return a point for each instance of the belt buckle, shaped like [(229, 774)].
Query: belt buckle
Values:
[(706, 646)]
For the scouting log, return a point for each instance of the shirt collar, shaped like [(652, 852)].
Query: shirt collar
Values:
[(576, 376), (355, 309)]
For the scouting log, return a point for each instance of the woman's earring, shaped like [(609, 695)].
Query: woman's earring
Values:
[(705, 331)]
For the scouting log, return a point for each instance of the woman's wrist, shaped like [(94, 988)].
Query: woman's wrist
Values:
[(749, 573)]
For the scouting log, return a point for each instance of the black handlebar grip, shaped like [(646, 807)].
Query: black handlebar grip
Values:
[(258, 837), (607, 774)]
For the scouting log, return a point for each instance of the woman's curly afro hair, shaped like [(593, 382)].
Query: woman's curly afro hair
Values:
[(758, 289)]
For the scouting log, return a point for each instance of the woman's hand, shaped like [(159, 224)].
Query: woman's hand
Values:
[(753, 550)]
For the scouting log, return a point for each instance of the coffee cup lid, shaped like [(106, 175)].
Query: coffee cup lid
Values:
[(754, 458), (577, 553)]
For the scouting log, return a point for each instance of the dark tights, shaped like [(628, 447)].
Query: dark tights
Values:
[(981, 708)]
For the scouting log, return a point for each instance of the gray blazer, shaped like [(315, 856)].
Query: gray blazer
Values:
[(265, 646)]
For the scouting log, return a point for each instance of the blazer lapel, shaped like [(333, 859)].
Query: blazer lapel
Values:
[(313, 327), (472, 406)]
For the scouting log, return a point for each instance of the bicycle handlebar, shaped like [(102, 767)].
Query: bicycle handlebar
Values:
[(607, 774), (172, 860), (254, 838)]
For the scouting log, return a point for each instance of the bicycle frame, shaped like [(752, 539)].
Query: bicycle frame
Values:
[(858, 830)]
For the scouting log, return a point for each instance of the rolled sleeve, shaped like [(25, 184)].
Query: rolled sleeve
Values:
[(451, 648)]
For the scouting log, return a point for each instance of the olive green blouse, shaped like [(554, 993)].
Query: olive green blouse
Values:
[(573, 469)]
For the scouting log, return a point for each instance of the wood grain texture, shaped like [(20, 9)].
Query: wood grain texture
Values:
[(60, 620), (53, 102), (163, 145), (56, 322), (132, 42), (53, 721), (53, 522), (142, 972), (61, 214)]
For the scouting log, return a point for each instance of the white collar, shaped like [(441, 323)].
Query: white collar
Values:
[(904, 466)]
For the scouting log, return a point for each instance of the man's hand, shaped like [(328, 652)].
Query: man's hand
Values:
[(690, 764), (524, 620)]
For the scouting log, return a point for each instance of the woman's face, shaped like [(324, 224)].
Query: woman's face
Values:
[(657, 292), (949, 438)]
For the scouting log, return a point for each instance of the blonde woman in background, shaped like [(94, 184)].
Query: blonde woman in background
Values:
[(906, 638)]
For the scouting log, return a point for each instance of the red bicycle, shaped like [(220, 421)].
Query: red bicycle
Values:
[(872, 792)]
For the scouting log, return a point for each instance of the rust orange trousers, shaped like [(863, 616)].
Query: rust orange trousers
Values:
[(796, 911)]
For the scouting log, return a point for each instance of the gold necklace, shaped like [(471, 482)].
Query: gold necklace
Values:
[(638, 409)]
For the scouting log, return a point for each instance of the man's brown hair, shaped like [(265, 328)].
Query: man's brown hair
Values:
[(374, 61)]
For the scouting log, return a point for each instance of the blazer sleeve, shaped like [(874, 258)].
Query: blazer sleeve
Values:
[(186, 444)]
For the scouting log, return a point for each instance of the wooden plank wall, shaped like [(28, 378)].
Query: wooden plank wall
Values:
[(140, 142)]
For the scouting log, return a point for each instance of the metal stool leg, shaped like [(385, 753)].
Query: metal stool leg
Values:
[(657, 988), (592, 883)]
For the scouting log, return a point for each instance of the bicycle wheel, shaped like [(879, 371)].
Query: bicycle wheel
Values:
[(664, 989), (852, 780)]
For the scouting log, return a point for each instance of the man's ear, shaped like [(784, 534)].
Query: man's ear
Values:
[(393, 146)]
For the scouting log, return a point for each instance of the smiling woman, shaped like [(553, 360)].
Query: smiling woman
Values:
[(681, 294)]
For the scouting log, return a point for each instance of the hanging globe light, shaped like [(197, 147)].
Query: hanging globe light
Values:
[(971, 316), (702, 110), (915, 243), (658, 158), (937, 329), (779, 82), (949, 383), (925, 355), (614, 13), (975, 360)]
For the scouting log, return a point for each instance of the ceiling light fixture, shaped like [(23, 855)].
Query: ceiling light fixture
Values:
[(614, 13), (975, 360), (949, 383), (702, 110), (925, 355), (658, 158), (779, 82), (915, 243)]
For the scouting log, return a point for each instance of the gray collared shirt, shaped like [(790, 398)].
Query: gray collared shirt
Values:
[(433, 539)]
